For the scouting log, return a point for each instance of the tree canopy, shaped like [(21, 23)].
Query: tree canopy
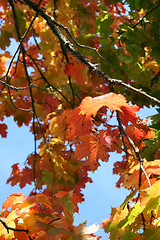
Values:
[(79, 75)]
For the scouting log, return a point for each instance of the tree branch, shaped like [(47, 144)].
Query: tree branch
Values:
[(13, 229), (142, 19), (16, 89), (92, 67), (75, 41), (45, 79)]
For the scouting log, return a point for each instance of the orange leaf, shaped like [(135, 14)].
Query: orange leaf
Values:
[(92, 150), (90, 106), (20, 235), (152, 167), (61, 194), (78, 124), (13, 200)]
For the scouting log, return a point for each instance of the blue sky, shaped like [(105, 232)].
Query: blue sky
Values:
[(99, 195)]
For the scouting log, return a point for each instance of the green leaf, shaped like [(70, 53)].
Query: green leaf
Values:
[(128, 236), (156, 119), (21, 20), (132, 35), (137, 3), (48, 178), (156, 52), (104, 26), (68, 205), (153, 203), (136, 210), (5, 37), (43, 86), (134, 50), (152, 233)]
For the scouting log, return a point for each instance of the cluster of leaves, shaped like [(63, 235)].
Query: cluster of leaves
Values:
[(79, 75)]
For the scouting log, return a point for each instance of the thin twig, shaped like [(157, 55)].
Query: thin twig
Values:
[(77, 43), (122, 134), (13, 229), (69, 78), (119, 12), (45, 79), (19, 46), (142, 19), (36, 43), (16, 89), (136, 151), (54, 9), (155, 79), (35, 153)]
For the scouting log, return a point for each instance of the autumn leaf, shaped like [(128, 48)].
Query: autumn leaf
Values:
[(22, 118), (76, 73), (3, 131), (130, 112), (83, 232), (151, 194), (10, 221), (20, 234), (77, 69), (135, 211), (13, 201), (91, 149), (90, 106), (111, 224), (78, 124), (67, 203), (152, 233), (42, 235)]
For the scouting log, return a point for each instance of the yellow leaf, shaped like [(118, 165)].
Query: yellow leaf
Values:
[(10, 223)]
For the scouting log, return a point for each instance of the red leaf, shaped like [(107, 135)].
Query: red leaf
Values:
[(3, 131), (77, 70), (128, 113), (106, 138), (61, 194)]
